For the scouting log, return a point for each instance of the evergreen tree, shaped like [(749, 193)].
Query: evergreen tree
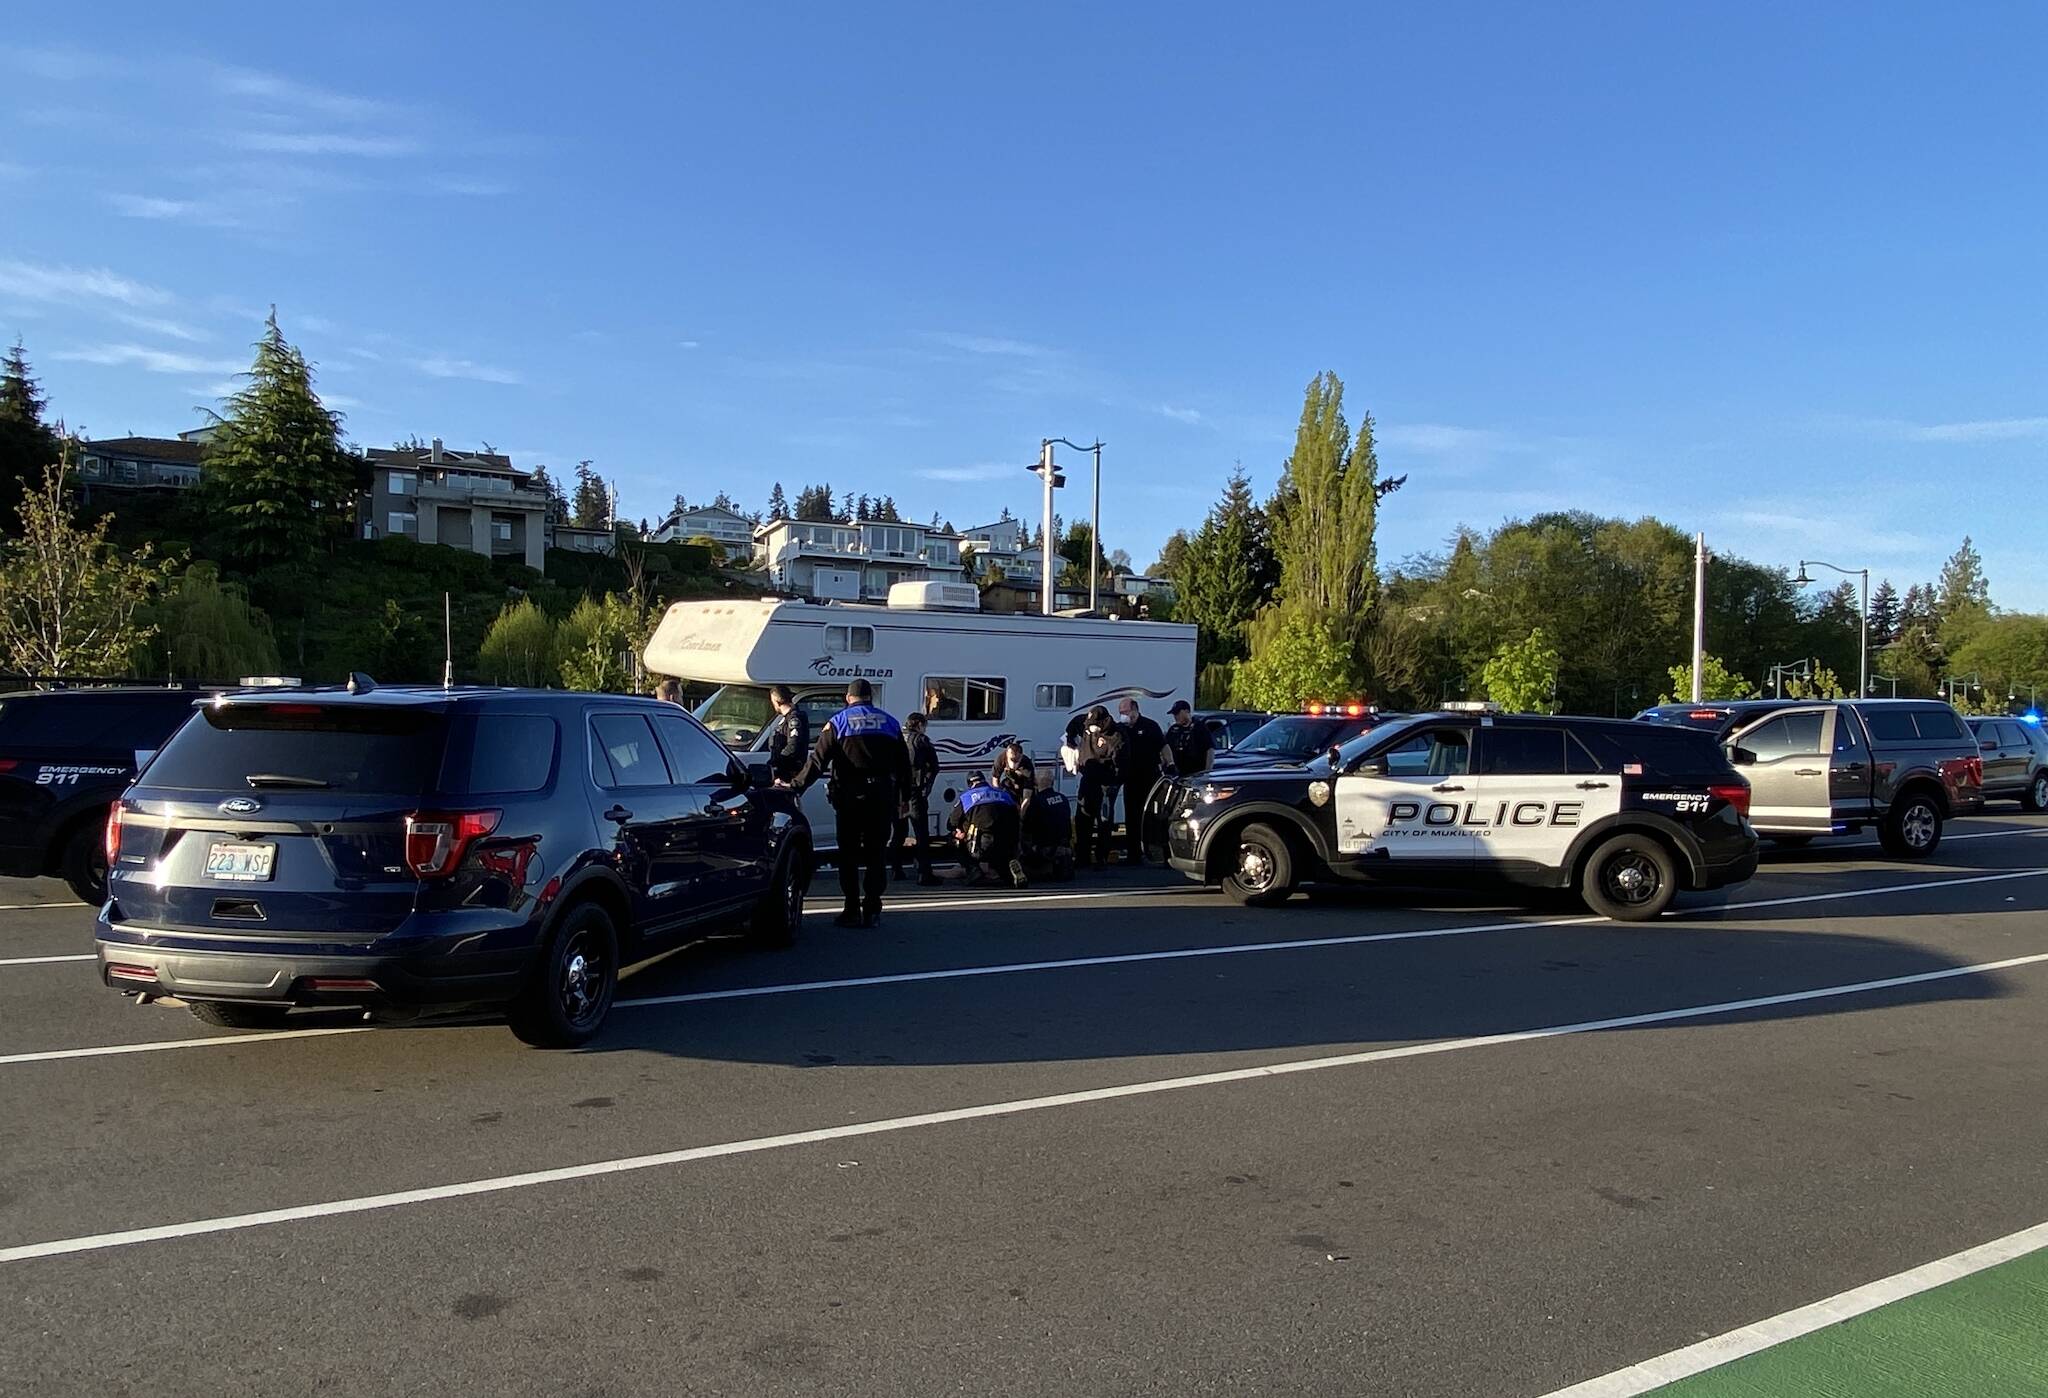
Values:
[(723, 501), (558, 503), (778, 503), (592, 503), (862, 508), (1884, 613), (1962, 601), (885, 510), (27, 444), (277, 476), (1227, 572), (678, 506)]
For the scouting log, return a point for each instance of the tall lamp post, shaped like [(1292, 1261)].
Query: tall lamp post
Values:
[(1095, 509), (1051, 477), (1863, 643)]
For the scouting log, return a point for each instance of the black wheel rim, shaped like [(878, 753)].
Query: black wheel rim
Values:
[(1255, 866), (585, 979), (1631, 879), (2041, 790)]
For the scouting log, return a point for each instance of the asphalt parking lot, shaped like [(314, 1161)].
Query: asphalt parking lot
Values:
[(1114, 1137)]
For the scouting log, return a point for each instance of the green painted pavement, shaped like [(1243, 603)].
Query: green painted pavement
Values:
[(1985, 1336)]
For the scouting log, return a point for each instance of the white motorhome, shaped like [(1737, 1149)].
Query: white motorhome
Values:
[(979, 679)]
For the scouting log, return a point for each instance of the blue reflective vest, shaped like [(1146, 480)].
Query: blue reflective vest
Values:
[(981, 795), (865, 720)]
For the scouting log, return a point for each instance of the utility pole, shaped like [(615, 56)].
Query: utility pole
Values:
[(1095, 528), (1699, 614), (447, 643), (1045, 476)]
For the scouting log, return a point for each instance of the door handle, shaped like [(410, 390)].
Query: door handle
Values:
[(618, 813), (1447, 787), (1808, 772), (1593, 786)]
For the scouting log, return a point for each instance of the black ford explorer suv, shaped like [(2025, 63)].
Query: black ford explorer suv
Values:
[(64, 756), (1627, 813), (411, 850)]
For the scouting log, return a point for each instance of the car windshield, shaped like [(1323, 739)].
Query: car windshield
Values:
[(1384, 735), (736, 714), (1297, 736)]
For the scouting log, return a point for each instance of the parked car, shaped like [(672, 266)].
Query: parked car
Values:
[(1299, 737), (1716, 716), (2015, 756), (418, 850), (1627, 813), (1830, 767), (64, 756)]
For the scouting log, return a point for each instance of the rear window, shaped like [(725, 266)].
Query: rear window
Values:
[(1661, 750), (1938, 723), (121, 721), (1889, 725), (339, 747), (499, 754)]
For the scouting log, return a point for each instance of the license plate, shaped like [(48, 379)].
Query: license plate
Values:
[(240, 863)]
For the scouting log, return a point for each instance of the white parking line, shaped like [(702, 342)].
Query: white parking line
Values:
[(1069, 963), (935, 903), (96, 1242), (1751, 1339), (25, 907), (41, 960)]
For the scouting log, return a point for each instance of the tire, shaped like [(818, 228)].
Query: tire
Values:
[(1630, 878), (223, 1015), (2035, 797), (1911, 829), (1261, 872), (1790, 841), (781, 910), (82, 863), (570, 989)]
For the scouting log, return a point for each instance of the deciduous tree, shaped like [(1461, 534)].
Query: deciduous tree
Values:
[(70, 604)]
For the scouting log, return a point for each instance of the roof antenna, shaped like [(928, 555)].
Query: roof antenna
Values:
[(448, 645)]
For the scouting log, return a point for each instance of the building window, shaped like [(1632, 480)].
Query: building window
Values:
[(404, 483), (501, 530), (1055, 696), (405, 522), (965, 700), (850, 640)]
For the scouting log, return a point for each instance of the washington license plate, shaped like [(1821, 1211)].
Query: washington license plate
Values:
[(239, 863)]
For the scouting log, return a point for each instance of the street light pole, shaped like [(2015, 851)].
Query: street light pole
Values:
[(1863, 641), (1095, 515), (1699, 614), (1045, 475)]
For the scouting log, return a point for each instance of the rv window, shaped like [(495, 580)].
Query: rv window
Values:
[(970, 700), (1055, 696), (850, 640)]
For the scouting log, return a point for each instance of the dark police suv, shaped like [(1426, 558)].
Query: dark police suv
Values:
[(65, 755), (411, 850), (1628, 813)]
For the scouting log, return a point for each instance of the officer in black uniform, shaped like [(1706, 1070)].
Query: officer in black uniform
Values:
[(862, 750), (789, 736), (916, 824), (1188, 743)]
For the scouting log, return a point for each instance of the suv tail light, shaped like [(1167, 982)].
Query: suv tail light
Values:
[(113, 834), (436, 841), (1735, 794)]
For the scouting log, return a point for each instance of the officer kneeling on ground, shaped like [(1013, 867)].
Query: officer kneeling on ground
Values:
[(1046, 828), (986, 822), (861, 750)]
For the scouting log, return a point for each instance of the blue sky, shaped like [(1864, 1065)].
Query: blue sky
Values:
[(1771, 272)]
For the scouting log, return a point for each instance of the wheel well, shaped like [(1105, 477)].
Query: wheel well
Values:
[(1929, 786), (1223, 844), (607, 896), (1680, 860), (53, 857)]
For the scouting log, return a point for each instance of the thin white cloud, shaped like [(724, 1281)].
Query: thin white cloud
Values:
[(1443, 438), (149, 206), (60, 63), (443, 367), (1190, 416), (324, 143), (981, 471), (318, 325), (1797, 527), (13, 170), (157, 325), (340, 400), (988, 344), (689, 344), (156, 361), (260, 86), (2000, 429), (34, 281), (470, 188)]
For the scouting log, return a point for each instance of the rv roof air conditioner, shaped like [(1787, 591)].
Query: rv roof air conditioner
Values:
[(935, 597)]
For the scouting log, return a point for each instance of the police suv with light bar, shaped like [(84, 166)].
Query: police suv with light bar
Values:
[(1627, 813)]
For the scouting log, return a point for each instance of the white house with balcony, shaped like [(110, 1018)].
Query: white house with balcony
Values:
[(1003, 551), (474, 500), (715, 522), (828, 561)]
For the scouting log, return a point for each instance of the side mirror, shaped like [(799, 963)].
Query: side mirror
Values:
[(1370, 769), (753, 771), (1336, 759), (1741, 757)]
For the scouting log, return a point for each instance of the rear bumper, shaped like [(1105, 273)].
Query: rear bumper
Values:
[(448, 971), (1720, 874)]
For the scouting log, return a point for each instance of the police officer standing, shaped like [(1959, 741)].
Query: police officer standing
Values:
[(862, 750), (916, 823), (1144, 745), (1188, 743), (789, 736)]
